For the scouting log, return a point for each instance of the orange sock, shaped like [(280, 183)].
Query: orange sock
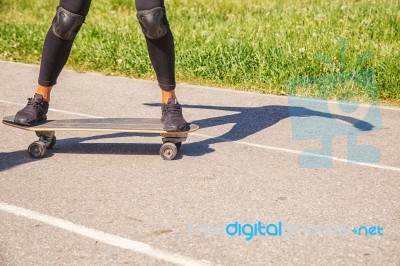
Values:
[(166, 95), (44, 91)]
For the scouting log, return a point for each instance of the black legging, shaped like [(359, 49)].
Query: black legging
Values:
[(56, 51)]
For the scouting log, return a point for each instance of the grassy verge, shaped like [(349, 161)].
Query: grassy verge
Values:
[(253, 45)]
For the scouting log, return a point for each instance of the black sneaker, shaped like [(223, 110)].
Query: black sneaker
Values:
[(172, 116), (33, 113)]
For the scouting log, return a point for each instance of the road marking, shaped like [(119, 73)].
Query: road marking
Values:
[(377, 166), (55, 110), (385, 167), (103, 237)]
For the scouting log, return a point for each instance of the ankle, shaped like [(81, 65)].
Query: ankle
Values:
[(45, 92), (167, 95)]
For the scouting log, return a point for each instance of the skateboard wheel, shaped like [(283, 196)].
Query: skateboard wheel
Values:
[(168, 151), (52, 143), (37, 149)]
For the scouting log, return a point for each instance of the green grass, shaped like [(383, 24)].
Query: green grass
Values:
[(252, 45)]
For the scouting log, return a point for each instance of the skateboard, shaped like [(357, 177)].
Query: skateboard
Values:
[(172, 140)]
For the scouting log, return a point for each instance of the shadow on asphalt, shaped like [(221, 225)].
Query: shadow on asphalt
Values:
[(247, 121)]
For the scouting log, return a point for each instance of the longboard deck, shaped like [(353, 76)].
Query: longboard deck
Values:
[(46, 132), (135, 125)]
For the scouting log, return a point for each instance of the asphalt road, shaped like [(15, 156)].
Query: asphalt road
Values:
[(109, 199)]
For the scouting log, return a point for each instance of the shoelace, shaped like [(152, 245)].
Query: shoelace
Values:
[(36, 104), (174, 109)]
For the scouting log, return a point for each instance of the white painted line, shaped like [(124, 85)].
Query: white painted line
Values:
[(55, 110), (102, 237), (377, 166), (248, 143)]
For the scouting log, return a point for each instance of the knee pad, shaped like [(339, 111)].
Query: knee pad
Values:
[(66, 24), (154, 22)]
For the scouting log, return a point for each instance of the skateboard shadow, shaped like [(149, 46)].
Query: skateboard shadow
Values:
[(250, 120), (246, 121), (11, 159), (80, 145)]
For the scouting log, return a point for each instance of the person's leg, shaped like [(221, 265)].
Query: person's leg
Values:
[(160, 43), (69, 17), (67, 21), (152, 17)]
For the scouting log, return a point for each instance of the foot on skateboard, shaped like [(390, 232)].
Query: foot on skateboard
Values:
[(33, 113), (172, 117)]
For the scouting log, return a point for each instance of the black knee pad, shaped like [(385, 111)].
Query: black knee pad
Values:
[(66, 24), (154, 22)]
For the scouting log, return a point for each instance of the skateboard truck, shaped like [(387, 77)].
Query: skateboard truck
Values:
[(46, 141), (172, 144)]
